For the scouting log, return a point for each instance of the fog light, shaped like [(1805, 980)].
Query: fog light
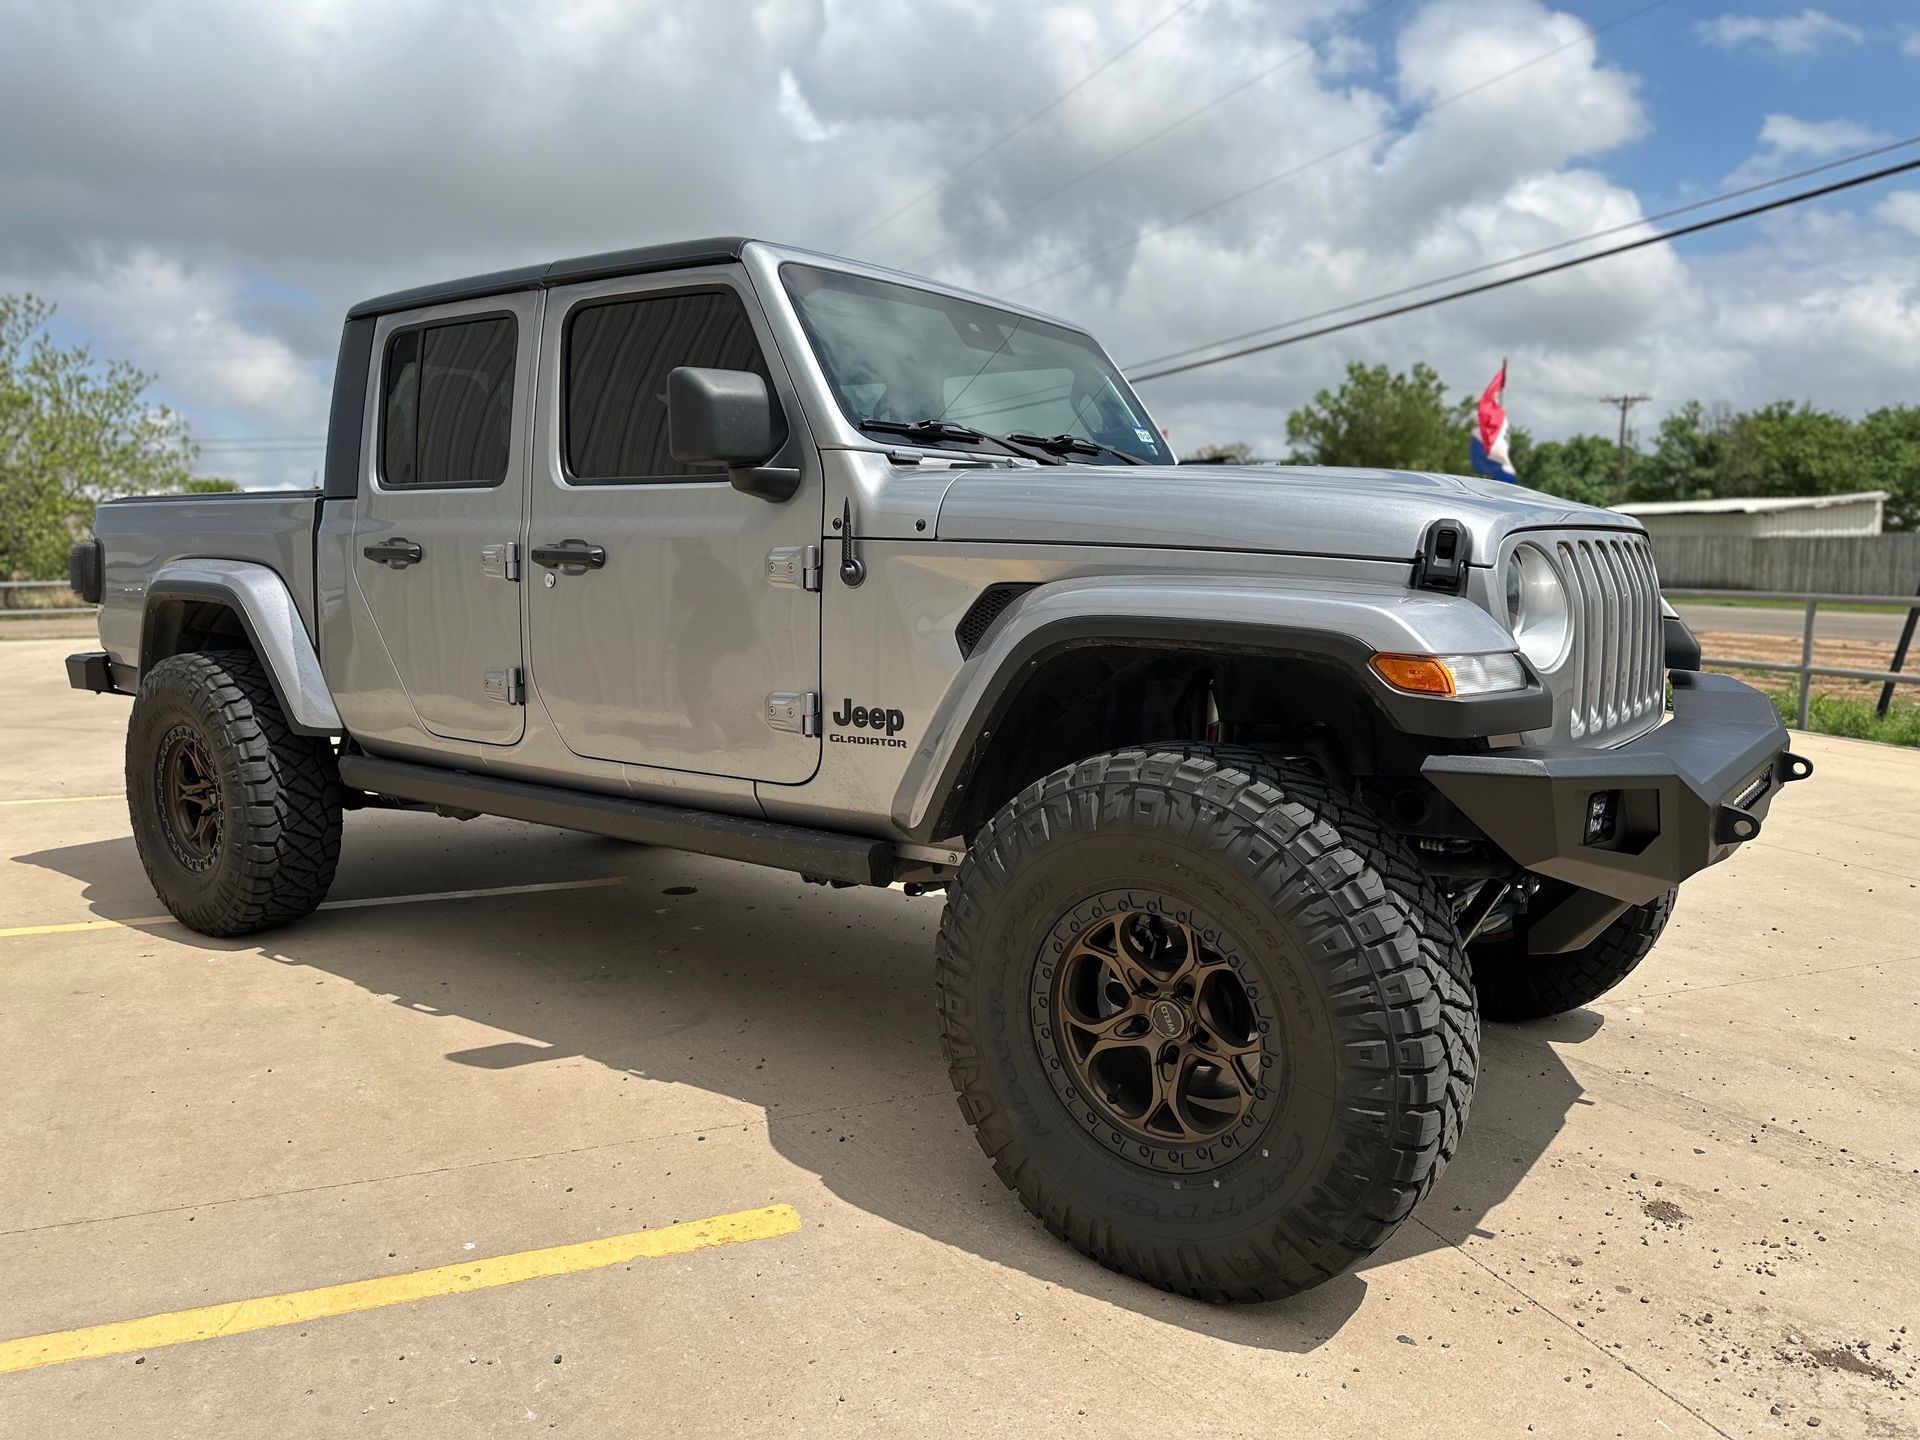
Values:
[(1603, 809)]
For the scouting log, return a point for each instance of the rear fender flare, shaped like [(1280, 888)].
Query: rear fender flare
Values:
[(1344, 623), (259, 598)]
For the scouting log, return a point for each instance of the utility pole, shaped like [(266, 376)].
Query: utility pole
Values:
[(1626, 403)]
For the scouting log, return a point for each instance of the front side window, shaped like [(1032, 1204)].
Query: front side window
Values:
[(618, 356), (447, 405), (896, 353)]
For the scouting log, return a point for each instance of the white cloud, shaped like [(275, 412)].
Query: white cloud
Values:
[(1910, 44), (1817, 138), (800, 115), (1800, 34), (1786, 142), (1900, 210), (385, 146)]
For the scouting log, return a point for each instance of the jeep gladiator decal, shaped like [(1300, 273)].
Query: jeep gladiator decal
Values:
[(868, 717)]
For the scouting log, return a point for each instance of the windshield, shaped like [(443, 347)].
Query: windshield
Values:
[(895, 354)]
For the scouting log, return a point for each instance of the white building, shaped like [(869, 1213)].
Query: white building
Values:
[(1762, 518)]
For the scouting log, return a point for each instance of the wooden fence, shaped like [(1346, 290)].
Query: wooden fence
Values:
[(1848, 564)]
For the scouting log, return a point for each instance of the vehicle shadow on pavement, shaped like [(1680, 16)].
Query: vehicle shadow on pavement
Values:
[(814, 1005)]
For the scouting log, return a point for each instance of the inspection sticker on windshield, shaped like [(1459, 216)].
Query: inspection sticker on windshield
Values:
[(1146, 435)]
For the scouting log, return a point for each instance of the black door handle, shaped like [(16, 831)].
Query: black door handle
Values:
[(570, 555), (399, 552)]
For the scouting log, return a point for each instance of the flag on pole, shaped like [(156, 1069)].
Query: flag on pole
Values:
[(1489, 443)]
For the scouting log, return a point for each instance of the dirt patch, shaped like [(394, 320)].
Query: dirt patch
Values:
[(1664, 1211), (1785, 649), (1839, 1357)]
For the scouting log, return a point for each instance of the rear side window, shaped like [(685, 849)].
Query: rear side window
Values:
[(447, 405), (618, 355)]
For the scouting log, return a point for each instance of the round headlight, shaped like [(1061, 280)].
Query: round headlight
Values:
[(1537, 607)]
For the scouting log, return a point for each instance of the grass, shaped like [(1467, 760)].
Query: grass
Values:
[(1852, 717)]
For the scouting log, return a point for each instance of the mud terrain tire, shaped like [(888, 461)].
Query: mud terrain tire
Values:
[(1346, 970), (236, 818), (1514, 985)]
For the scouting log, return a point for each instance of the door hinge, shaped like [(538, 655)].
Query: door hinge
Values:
[(794, 565), (796, 712), (501, 561), (507, 685)]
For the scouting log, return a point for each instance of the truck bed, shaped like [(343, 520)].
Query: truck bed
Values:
[(140, 534)]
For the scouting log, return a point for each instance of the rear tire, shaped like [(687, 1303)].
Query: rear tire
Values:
[(1514, 985), (1325, 969), (236, 818)]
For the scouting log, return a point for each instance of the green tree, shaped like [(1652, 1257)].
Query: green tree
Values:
[(1583, 468), (1235, 453), (1887, 448), (1784, 449), (72, 433), (1379, 418), (1686, 458)]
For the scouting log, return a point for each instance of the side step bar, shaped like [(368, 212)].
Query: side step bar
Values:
[(829, 854)]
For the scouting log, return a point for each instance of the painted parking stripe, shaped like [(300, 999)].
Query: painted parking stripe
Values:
[(71, 926), (300, 1307), (63, 799)]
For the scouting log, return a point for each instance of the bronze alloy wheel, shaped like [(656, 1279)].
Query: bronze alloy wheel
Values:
[(1154, 1033), (189, 798)]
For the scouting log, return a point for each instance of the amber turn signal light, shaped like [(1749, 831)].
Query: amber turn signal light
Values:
[(1416, 674)]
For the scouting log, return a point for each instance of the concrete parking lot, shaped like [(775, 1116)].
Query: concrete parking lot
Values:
[(1690, 1210)]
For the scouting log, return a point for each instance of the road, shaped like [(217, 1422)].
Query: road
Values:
[(1750, 620), (489, 1087)]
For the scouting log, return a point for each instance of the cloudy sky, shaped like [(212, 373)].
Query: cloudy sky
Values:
[(204, 187)]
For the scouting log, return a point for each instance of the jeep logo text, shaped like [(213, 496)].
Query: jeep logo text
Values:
[(864, 717)]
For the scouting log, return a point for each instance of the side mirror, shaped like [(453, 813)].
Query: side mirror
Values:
[(727, 417)]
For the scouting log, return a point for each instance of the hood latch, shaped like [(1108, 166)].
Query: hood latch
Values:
[(1442, 563)]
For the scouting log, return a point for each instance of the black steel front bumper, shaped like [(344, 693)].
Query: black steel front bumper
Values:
[(1632, 822)]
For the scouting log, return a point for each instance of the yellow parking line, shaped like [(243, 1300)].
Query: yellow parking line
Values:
[(301, 1306), (15, 931), (63, 799), (67, 929)]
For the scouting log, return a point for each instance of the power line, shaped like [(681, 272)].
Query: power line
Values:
[(1534, 254), (1006, 135), (1799, 197), (1352, 24), (1337, 151)]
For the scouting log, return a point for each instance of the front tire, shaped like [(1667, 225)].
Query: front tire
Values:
[(1207, 1018), (1515, 985), (236, 818)]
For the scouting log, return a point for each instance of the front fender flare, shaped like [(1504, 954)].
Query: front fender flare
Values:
[(260, 598), (1341, 622)]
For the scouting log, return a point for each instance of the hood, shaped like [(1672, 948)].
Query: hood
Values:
[(1298, 510)]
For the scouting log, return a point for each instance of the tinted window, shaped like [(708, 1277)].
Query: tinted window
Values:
[(617, 360), (899, 353), (448, 404)]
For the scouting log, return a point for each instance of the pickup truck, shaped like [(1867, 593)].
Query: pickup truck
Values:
[(1251, 790)]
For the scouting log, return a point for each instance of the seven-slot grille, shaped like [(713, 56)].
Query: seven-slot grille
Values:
[(1617, 665)]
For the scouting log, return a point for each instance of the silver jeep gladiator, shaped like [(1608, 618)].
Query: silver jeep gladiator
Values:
[(1251, 790)]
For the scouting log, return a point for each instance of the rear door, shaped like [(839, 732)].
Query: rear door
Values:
[(690, 641), (435, 549)]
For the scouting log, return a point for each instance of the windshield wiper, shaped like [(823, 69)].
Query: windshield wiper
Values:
[(1073, 445), (933, 432)]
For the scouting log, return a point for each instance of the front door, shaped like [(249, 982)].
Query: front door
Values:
[(670, 640), (436, 528)]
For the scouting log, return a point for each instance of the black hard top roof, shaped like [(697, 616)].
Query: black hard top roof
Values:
[(677, 256)]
